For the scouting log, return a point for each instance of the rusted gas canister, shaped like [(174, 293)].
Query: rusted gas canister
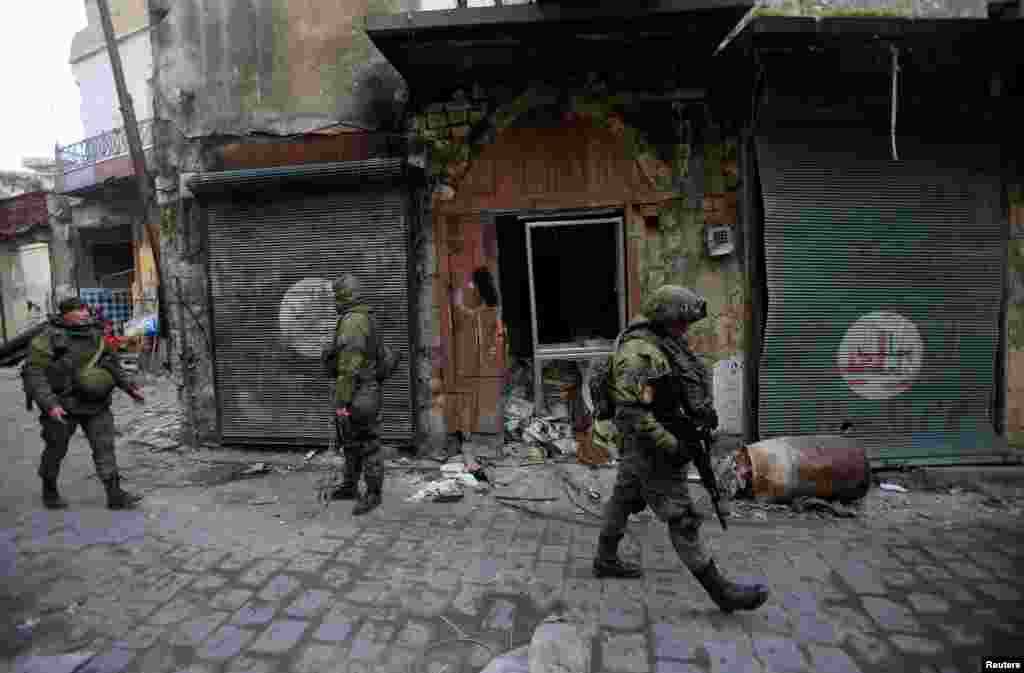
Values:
[(822, 466)]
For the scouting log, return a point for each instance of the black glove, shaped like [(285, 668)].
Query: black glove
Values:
[(707, 417)]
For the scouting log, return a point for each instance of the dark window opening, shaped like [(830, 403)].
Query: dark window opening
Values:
[(113, 263), (575, 277)]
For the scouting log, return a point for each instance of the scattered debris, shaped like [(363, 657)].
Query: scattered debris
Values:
[(534, 456), (453, 468), (889, 486), (264, 501), (446, 490), (258, 468), (811, 504)]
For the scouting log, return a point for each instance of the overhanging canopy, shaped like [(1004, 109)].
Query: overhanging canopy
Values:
[(641, 46), (333, 174)]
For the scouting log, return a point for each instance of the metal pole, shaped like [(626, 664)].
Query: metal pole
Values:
[(131, 130)]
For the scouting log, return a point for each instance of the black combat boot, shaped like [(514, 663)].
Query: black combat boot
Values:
[(345, 492), (608, 564), (116, 498), (370, 499), (51, 496), (728, 595)]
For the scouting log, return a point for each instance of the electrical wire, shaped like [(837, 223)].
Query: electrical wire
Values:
[(895, 79)]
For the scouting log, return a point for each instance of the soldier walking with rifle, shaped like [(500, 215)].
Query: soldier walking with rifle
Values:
[(661, 396)]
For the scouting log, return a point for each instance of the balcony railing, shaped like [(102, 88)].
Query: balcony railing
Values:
[(102, 147)]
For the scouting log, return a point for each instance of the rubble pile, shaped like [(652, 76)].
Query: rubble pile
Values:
[(524, 431), (555, 434), (456, 479)]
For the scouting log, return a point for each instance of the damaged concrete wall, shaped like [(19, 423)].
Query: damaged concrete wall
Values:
[(281, 67), (430, 399), (62, 258)]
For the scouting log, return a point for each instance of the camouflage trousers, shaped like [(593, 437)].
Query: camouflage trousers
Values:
[(362, 447), (362, 457), (638, 486), (99, 430)]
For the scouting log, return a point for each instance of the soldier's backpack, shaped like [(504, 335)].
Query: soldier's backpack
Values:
[(600, 379), (387, 359)]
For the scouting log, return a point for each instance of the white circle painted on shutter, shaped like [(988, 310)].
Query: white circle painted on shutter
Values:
[(880, 355), (307, 317)]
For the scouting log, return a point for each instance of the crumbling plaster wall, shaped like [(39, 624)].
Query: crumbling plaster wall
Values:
[(278, 66)]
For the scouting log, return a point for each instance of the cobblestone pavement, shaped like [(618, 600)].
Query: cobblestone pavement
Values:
[(190, 584), (225, 576)]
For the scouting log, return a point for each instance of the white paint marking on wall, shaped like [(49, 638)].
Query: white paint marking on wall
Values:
[(880, 356), (727, 385), (307, 318)]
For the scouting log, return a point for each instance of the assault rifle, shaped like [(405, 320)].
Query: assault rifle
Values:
[(684, 427), (702, 461)]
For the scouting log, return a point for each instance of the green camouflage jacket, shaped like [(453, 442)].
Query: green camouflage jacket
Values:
[(648, 394), (357, 357), (54, 357)]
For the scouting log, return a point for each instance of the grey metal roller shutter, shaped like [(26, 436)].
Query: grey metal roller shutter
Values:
[(271, 263), (884, 282)]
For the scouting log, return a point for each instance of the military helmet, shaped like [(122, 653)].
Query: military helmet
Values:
[(346, 290), (673, 302)]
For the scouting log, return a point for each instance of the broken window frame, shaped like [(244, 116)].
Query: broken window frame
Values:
[(543, 353)]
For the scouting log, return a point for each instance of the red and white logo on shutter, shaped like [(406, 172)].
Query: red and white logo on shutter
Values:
[(880, 355)]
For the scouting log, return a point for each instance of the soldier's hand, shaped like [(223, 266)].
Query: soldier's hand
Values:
[(57, 413), (136, 395), (342, 411), (710, 420)]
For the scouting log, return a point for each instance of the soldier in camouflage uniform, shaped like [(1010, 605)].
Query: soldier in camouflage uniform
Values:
[(70, 394), (661, 391), (358, 396)]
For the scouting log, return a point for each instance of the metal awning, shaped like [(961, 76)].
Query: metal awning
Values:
[(650, 46), (339, 174), (944, 42), (963, 73)]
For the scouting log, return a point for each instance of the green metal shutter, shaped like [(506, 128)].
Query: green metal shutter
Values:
[(271, 263), (865, 249)]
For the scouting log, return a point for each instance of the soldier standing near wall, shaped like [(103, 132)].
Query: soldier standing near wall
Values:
[(358, 396), (661, 394), (70, 374)]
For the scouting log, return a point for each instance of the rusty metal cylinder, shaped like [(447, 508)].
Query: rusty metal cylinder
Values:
[(821, 466)]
